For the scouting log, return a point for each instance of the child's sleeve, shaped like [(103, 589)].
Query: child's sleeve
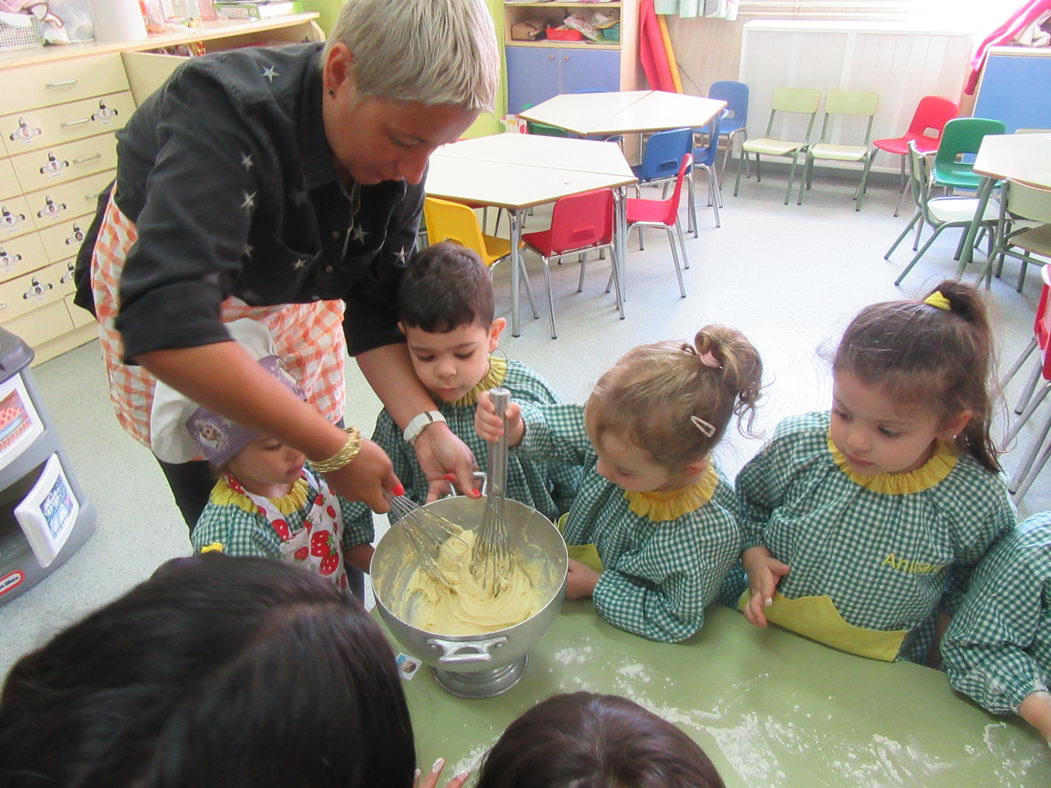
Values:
[(986, 649), (991, 517), (555, 432), (358, 526), (760, 490), (661, 591), (233, 531)]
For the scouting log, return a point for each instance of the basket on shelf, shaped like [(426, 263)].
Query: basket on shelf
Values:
[(22, 37)]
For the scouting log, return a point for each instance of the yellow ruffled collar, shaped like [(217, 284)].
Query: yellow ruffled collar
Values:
[(923, 478), (659, 507), (495, 377), (293, 501)]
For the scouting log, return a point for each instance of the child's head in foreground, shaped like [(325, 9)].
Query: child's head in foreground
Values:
[(585, 740), (445, 303), (655, 416), (216, 671), (910, 373)]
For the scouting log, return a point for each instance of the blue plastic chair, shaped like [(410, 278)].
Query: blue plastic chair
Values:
[(735, 94), (704, 159)]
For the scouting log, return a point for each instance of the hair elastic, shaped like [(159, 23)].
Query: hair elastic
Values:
[(705, 427), (937, 300), (709, 360)]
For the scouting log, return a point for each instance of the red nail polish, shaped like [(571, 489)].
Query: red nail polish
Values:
[(399, 489), (450, 477), (474, 494)]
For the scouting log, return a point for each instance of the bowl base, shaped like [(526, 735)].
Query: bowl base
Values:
[(482, 683)]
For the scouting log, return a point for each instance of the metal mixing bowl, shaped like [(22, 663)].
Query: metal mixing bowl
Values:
[(473, 665)]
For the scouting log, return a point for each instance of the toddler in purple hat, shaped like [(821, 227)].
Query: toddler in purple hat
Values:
[(267, 501)]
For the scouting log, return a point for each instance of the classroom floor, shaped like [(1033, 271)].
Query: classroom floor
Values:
[(789, 277)]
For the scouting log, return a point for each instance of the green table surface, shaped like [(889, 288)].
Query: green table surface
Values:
[(769, 707)]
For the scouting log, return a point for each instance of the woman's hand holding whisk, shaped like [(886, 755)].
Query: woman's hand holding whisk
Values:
[(366, 478), (490, 427)]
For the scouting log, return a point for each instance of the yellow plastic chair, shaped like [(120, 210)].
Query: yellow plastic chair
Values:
[(803, 101), (453, 221), (1024, 228), (845, 103)]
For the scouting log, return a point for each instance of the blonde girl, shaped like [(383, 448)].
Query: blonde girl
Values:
[(862, 524), (653, 527)]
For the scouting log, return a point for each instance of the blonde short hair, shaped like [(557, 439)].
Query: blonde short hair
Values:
[(674, 400), (431, 51)]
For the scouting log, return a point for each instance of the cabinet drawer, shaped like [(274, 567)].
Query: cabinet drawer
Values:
[(14, 217), (32, 291), (21, 255), (79, 317), (60, 82), (43, 168), (50, 126), (64, 239), (67, 200), (44, 324), (9, 185)]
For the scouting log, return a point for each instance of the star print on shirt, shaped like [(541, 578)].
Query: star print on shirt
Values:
[(246, 161), (359, 234), (270, 72), (300, 197), (402, 256), (248, 251), (299, 263), (250, 296), (249, 201)]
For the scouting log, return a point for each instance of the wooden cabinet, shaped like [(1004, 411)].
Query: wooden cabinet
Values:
[(60, 108), (538, 70)]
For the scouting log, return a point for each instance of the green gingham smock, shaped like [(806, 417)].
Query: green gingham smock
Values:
[(658, 576), (998, 647), (549, 487), (233, 521), (884, 559)]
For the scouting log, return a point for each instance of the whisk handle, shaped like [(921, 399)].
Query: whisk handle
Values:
[(498, 451)]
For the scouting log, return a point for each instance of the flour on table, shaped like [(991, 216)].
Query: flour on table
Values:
[(574, 656)]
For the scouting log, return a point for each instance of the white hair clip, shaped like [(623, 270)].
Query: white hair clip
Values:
[(704, 426)]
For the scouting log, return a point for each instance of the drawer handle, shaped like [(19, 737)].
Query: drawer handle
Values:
[(78, 122), (61, 83), (37, 289), (94, 196), (92, 157)]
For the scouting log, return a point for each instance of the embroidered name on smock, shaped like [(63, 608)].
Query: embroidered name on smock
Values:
[(901, 564)]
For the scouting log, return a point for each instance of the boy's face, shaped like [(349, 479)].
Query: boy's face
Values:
[(451, 364)]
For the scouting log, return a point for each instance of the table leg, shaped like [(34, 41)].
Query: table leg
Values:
[(516, 264), (620, 239), (984, 190)]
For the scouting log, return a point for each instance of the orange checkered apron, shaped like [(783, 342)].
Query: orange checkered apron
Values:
[(309, 337)]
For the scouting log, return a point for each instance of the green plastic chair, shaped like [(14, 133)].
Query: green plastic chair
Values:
[(800, 100), (847, 103), (1024, 228), (962, 136), (941, 213)]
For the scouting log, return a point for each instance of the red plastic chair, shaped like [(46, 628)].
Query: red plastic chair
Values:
[(579, 223), (932, 113), (664, 214), (1041, 335)]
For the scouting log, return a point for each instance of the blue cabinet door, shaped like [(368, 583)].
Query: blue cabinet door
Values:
[(532, 76), (598, 69)]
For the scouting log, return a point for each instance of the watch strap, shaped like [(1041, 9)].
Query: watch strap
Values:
[(419, 422)]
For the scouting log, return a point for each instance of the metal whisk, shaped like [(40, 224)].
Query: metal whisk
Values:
[(491, 559), (426, 532)]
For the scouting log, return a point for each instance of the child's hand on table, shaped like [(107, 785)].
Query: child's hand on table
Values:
[(489, 426), (764, 574), (430, 780), (581, 580)]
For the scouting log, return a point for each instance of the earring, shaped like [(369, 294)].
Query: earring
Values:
[(332, 93)]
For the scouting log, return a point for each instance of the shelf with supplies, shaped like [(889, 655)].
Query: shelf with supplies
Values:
[(546, 58), (62, 107)]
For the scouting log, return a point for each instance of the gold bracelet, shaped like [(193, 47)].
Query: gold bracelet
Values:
[(342, 457)]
